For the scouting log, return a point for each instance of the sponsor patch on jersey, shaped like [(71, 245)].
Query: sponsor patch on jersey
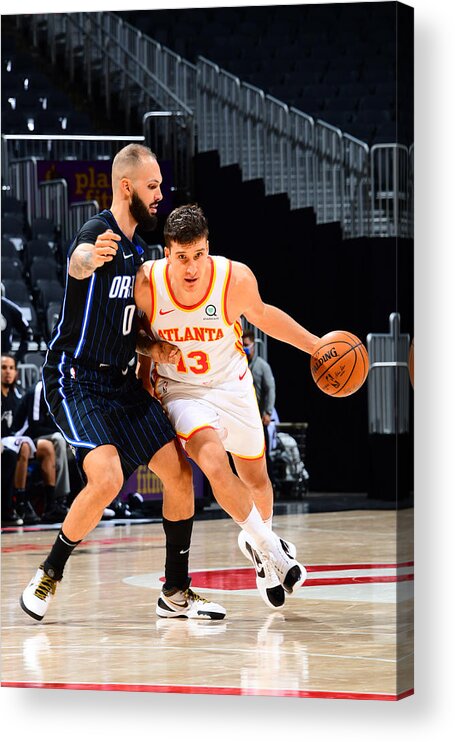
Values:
[(211, 312)]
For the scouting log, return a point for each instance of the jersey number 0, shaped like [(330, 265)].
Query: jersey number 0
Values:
[(128, 315)]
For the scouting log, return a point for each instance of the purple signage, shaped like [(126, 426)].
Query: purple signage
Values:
[(91, 180), (150, 487)]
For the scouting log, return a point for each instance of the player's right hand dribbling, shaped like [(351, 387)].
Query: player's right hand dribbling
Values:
[(105, 247)]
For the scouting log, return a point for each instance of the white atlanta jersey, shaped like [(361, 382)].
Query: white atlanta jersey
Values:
[(211, 345), (212, 387)]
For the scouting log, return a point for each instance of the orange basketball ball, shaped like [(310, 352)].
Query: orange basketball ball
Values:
[(339, 365)]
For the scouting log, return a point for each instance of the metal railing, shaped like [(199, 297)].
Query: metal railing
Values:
[(171, 134), (54, 204), (61, 147), (28, 374), (356, 163), (49, 198), (22, 177), (388, 380), (318, 165), (329, 180), (78, 213), (116, 55), (390, 190), (302, 159)]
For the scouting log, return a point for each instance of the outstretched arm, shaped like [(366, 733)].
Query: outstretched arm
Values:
[(245, 299)]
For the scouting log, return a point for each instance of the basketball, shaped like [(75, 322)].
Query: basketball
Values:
[(339, 365)]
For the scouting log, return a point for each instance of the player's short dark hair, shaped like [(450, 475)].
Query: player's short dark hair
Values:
[(185, 225), (12, 356), (249, 334)]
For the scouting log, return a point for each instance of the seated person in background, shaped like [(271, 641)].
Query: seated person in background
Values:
[(51, 450), (13, 319), (264, 384), (11, 444)]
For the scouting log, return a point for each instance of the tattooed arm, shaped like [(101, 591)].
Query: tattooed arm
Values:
[(150, 350), (87, 258)]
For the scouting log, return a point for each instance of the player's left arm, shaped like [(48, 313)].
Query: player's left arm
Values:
[(245, 299)]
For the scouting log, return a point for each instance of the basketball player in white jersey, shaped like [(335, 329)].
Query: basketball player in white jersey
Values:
[(195, 301)]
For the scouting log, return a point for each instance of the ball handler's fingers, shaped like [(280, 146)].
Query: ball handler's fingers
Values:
[(108, 239)]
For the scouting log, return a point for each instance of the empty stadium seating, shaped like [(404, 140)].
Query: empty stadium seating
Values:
[(341, 51), (31, 271), (31, 101)]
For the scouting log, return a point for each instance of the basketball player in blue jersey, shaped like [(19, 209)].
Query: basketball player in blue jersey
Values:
[(196, 302), (99, 404)]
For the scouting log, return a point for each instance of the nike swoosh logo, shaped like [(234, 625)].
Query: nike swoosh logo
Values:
[(258, 564), (167, 311), (128, 256), (243, 375), (178, 605), (184, 552)]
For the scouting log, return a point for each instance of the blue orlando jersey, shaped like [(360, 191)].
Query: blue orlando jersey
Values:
[(97, 323)]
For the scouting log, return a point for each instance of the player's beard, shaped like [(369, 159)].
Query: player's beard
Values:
[(140, 213)]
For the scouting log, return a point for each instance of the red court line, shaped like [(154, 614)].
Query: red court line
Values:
[(337, 567), (356, 580), (244, 578), (207, 690)]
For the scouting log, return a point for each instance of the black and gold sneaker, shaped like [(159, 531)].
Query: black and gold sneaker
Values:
[(176, 603), (38, 594)]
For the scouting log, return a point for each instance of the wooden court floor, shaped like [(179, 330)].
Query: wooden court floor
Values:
[(347, 633)]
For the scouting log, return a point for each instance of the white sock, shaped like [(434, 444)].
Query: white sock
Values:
[(260, 531), (268, 522)]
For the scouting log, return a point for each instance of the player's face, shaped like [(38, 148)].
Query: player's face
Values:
[(189, 263), (9, 371), (146, 194)]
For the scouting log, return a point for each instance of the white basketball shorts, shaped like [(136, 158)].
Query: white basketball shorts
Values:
[(234, 414)]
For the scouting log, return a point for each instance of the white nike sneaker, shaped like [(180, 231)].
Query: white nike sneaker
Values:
[(36, 598), (267, 581), (291, 573), (245, 544), (187, 604)]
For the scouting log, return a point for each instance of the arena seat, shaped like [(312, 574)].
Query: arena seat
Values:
[(17, 291), (12, 269)]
